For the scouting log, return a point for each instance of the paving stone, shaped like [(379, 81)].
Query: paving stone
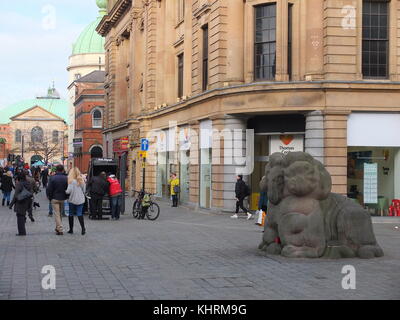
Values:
[(182, 255)]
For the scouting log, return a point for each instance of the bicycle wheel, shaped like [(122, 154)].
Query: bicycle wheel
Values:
[(136, 209), (153, 211)]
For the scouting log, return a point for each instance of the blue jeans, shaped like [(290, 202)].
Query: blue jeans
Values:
[(50, 208), (75, 210), (115, 206), (7, 196)]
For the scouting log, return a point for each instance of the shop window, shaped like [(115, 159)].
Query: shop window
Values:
[(375, 39), (265, 42), (97, 119)]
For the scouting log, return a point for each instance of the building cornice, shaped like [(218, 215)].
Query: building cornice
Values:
[(88, 96), (270, 86), (112, 18)]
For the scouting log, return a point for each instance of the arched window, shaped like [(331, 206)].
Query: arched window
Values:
[(55, 136), (18, 136), (37, 135), (96, 152), (97, 119)]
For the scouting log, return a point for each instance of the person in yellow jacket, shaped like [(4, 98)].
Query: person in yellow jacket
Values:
[(175, 189)]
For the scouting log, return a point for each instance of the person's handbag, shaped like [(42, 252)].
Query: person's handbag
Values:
[(24, 194), (177, 189)]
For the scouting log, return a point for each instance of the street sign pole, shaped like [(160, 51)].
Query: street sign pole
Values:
[(144, 173)]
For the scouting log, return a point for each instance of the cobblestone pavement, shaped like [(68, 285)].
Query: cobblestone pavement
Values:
[(182, 255)]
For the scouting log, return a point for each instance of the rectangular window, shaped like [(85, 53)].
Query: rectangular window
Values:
[(290, 35), (180, 75), (205, 57), (265, 42), (375, 39)]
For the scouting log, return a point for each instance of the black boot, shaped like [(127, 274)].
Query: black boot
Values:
[(4, 200), (8, 203), (71, 224), (82, 223)]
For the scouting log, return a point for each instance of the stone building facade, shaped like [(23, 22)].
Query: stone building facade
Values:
[(318, 75)]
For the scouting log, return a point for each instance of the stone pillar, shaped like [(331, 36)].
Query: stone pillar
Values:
[(235, 39), (335, 142), (314, 140)]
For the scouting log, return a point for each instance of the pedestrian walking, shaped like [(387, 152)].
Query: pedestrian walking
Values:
[(21, 201), (97, 188), (7, 185), (175, 189), (55, 191), (45, 176), (76, 191), (35, 190), (241, 192), (115, 192)]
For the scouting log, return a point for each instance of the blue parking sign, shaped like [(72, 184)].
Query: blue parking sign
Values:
[(144, 145)]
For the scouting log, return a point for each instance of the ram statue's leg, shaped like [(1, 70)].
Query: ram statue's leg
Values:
[(303, 235)]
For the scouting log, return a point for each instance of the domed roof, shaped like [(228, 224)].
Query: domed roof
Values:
[(89, 41), (58, 107)]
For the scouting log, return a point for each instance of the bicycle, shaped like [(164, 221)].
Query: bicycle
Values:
[(145, 206)]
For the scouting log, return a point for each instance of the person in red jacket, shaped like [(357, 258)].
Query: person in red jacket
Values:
[(115, 193)]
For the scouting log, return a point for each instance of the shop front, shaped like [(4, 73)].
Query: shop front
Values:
[(120, 152), (275, 133), (373, 160), (205, 163)]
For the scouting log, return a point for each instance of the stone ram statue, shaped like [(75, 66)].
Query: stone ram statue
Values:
[(305, 219)]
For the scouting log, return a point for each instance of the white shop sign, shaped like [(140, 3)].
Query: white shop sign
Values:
[(373, 129), (162, 141), (370, 183), (286, 143)]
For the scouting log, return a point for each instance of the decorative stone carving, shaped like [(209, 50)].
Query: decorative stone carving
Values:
[(306, 220)]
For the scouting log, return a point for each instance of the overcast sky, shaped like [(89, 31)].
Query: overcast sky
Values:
[(36, 39)]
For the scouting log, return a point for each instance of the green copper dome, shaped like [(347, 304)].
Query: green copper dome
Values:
[(58, 107), (89, 41)]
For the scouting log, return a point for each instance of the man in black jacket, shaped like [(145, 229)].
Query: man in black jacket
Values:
[(97, 188), (241, 192), (55, 191)]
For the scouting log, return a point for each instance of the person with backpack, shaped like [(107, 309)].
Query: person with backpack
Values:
[(21, 200), (175, 189), (76, 191), (241, 192), (115, 192), (7, 185)]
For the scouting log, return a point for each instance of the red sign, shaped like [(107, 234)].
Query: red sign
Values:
[(121, 144)]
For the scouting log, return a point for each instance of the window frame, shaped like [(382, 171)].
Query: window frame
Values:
[(97, 119), (205, 58), (378, 41), (55, 137), (35, 139), (255, 43), (18, 131), (181, 70)]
